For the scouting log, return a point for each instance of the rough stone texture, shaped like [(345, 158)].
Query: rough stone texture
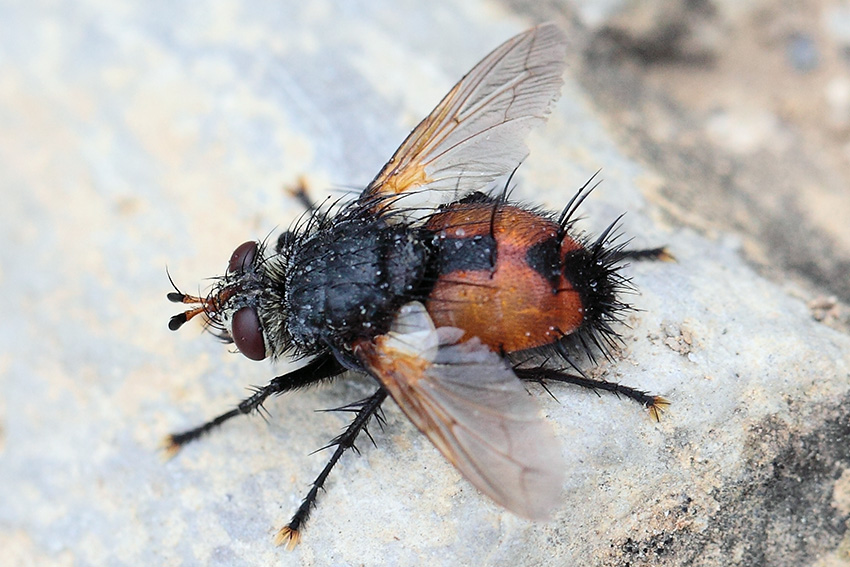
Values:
[(138, 136)]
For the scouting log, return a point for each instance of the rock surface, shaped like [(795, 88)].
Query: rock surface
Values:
[(135, 137)]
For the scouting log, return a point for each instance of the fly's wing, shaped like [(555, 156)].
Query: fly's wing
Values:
[(477, 132), (473, 408)]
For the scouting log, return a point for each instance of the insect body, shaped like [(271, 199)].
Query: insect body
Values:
[(439, 291), (515, 278)]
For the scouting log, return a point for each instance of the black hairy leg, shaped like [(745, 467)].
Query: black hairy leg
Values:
[(320, 368), (301, 192), (660, 254), (365, 409), (542, 375)]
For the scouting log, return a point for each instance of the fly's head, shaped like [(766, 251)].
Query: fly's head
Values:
[(244, 306)]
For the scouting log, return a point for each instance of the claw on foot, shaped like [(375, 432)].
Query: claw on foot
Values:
[(657, 407), (666, 256), (287, 536), (170, 447)]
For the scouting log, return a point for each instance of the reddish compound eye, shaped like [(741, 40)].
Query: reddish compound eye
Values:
[(242, 257), (248, 333)]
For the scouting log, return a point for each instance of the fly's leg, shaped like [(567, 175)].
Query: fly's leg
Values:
[(291, 533), (301, 192), (542, 375), (659, 254), (320, 368)]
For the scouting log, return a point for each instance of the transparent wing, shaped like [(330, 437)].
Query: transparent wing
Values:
[(477, 132), (473, 408)]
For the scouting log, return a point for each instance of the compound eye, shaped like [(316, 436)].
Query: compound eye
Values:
[(248, 333), (242, 257)]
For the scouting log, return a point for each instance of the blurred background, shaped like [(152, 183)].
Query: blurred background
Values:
[(744, 108)]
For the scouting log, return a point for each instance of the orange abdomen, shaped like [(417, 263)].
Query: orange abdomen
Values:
[(501, 277)]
